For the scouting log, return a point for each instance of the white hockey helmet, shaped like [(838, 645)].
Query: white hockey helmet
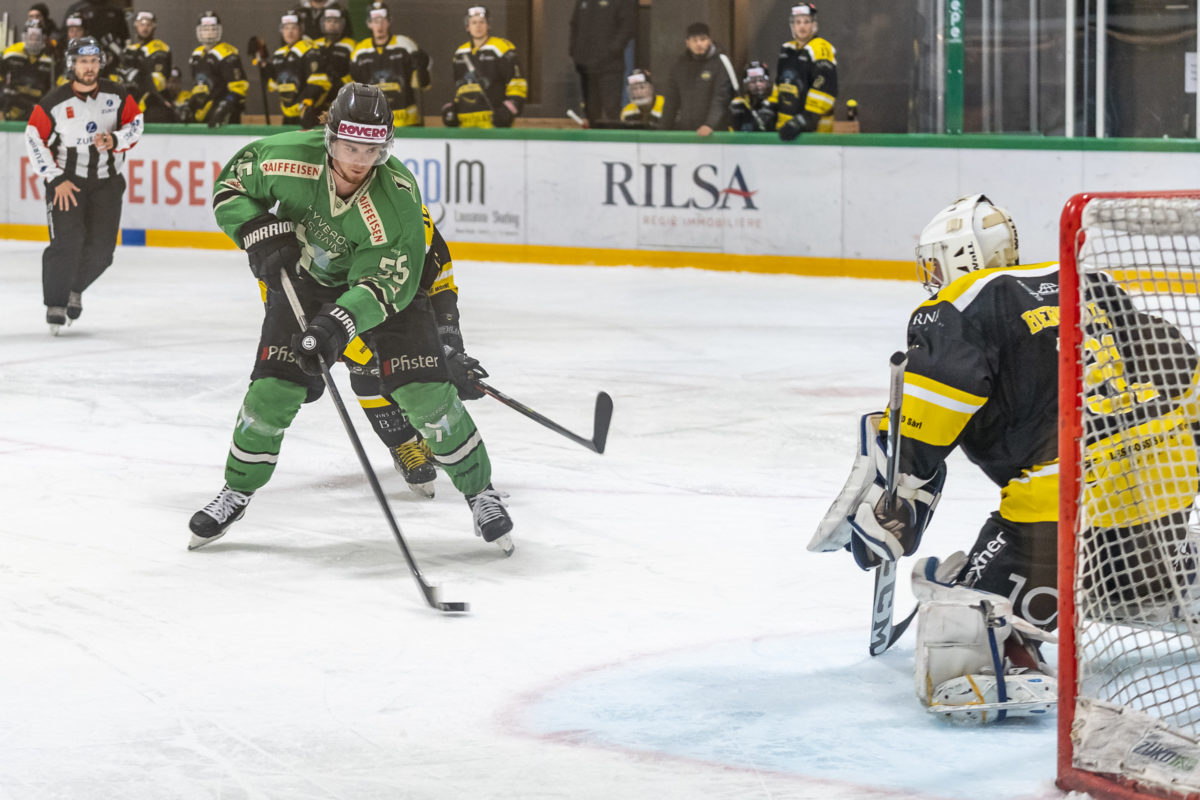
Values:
[(971, 234)]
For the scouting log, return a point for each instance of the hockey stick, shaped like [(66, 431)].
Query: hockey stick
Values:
[(258, 48), (604, 409), (883, 634), (578, 120), (431, 593)]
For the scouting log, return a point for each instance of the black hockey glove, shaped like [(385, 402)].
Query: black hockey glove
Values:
[(272, 247), (450, 116), (221, 113), (421, 61), (793, 128), (464, 371), (324, 339), (502, 115), (308, 116), (765, 119)]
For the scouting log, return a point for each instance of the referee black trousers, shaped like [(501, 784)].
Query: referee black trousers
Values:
[(82, 238)]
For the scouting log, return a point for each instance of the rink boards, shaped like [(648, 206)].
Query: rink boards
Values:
[(844, 205)]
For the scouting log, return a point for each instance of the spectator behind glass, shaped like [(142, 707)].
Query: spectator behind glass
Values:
[(600, 30), (700, 86)]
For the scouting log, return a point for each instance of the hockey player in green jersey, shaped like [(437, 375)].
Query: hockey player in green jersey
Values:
[(348, 232)]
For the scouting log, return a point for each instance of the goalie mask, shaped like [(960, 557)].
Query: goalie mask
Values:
[(970, 235)]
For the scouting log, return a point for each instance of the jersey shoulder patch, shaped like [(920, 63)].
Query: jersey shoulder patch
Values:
[(156, 46), (822, 50), (225, 50), (501, 46), (17, 49)]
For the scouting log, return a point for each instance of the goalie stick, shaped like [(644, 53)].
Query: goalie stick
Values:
[(603, 416), (431, 593), (883, 634)]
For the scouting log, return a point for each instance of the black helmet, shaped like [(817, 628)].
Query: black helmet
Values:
[(757, 79), (208, 28), (83, 46), (334, 11), (360, 114)]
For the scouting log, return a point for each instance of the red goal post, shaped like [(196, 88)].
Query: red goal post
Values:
[(1129, 620)]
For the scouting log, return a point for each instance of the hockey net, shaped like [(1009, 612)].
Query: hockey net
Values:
[(1129, 609)]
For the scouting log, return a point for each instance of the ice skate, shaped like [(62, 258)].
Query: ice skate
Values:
[(56, 317), (491, 518), (210, 523), (417, 469), (74, 306)]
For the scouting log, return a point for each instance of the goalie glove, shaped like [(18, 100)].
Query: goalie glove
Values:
[(860, 521)]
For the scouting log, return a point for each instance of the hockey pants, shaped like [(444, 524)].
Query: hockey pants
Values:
[(434, 409)]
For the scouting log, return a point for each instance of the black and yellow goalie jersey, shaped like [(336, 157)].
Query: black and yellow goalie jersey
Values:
[(806, 81), (982, 375)]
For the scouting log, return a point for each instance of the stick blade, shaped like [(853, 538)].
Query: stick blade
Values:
[(604, 409), (433, 598)]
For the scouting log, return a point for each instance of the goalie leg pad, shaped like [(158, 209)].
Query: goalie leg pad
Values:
[(962, 637), (834, 531)]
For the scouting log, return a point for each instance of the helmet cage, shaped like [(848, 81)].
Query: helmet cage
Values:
[(640, 88), (208, 30), (333, 22), (34, 37)]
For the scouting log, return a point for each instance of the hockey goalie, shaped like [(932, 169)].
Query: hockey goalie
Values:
[(981, 376)]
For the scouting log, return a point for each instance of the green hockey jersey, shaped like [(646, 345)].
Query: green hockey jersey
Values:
[(372, 243)]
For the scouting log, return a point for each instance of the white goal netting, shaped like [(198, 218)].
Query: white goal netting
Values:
[(1136, 539)]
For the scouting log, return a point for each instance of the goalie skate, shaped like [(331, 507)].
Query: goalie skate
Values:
[(975, 699)]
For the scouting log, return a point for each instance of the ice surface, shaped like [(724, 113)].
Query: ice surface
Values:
[(661, 631)]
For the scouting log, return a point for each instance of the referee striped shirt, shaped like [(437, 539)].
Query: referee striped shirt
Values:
[(62, 128)]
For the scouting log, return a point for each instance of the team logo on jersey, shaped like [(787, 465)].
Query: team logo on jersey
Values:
[(70, 113), (92, 127), (371, 217), (297, 169), (358, 132)]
